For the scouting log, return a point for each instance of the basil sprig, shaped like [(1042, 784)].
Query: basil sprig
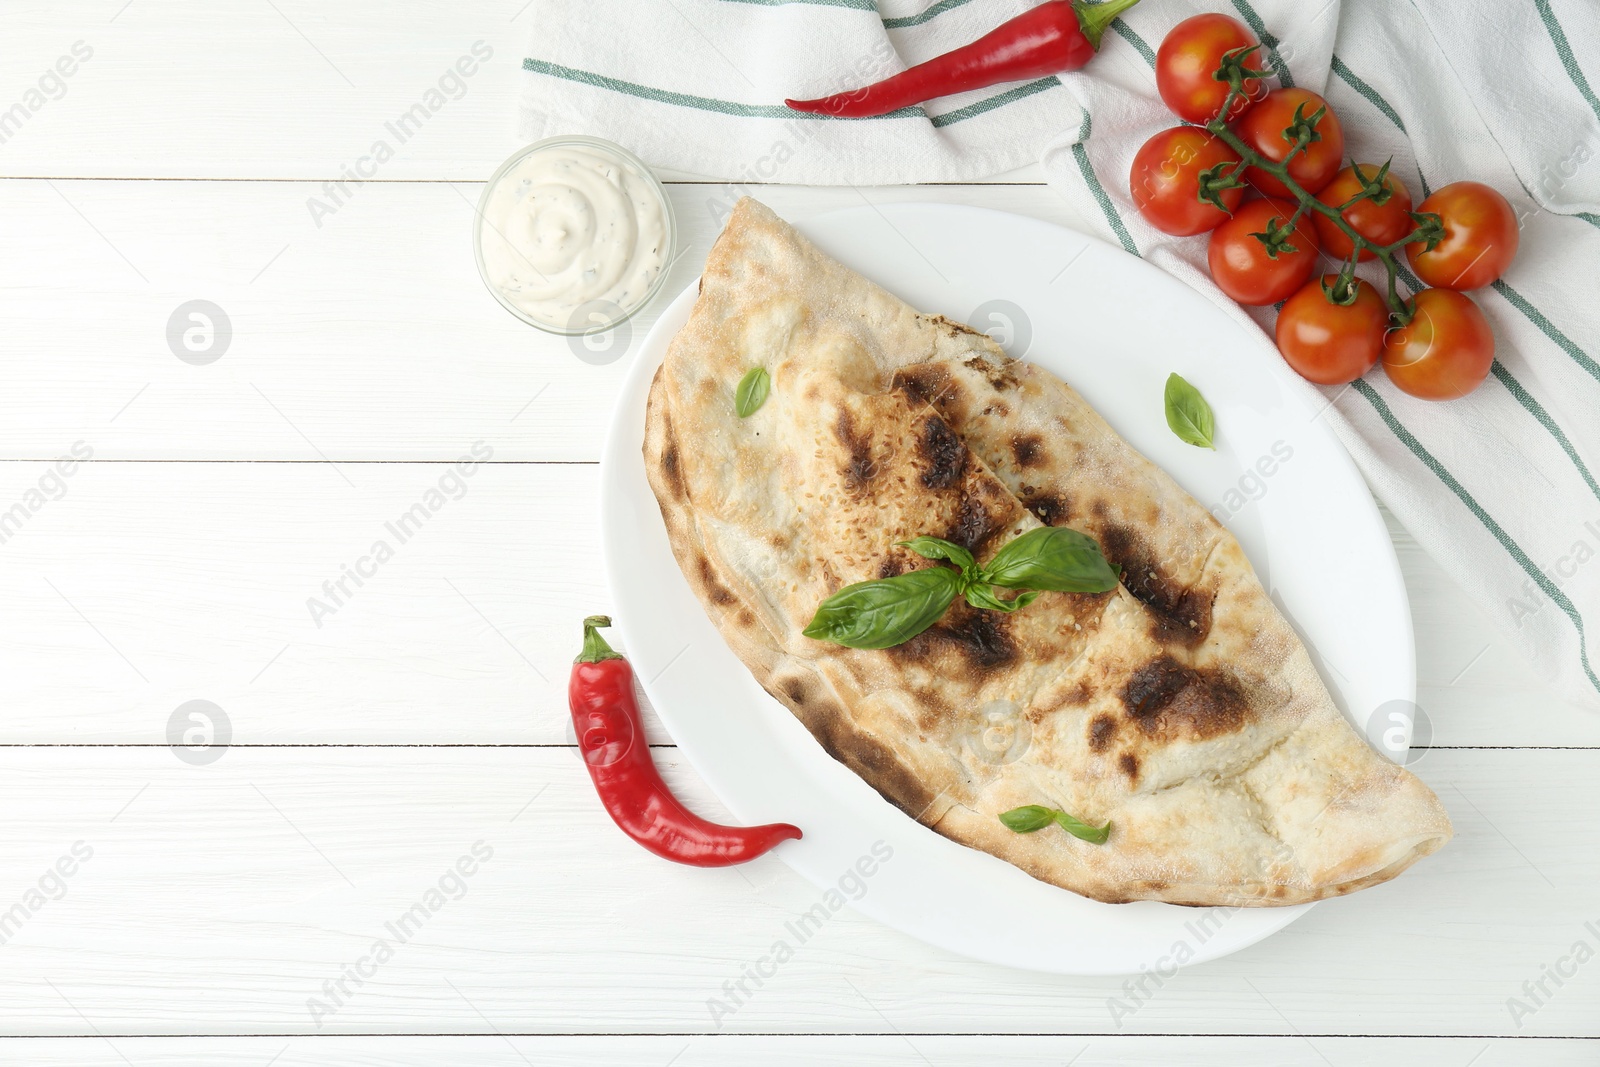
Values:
[(1054, 558), (1031, 817), (890, 611), (939, 548), (1188, 414), (886, 612), (983, 596), (752, 392)]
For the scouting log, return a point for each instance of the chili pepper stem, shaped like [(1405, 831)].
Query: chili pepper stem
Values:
[(1094, 18), (595, 648)]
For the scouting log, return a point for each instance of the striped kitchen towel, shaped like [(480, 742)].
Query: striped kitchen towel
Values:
[(699, 85), (1500, 487)]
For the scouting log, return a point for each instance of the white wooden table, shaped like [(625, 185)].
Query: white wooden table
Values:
[(425, 717)]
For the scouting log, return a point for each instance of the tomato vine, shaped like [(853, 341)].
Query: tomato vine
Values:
[(1302, 132)]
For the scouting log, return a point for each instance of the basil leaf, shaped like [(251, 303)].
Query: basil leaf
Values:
[(939, 548), (1188, 414), (1055, 558), (885, 612), (982, 595), (1027, 819), (752, 391), (1095, 835)]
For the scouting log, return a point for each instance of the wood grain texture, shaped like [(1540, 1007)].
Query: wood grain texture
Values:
[(219, 898), (292, 89), (793, 1051), (231, 893), (149, 584), (371, 337)]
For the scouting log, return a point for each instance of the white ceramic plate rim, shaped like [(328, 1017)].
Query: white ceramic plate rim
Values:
[(763, 764)]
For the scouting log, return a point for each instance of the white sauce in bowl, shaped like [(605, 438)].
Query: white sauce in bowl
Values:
[(569, 225)]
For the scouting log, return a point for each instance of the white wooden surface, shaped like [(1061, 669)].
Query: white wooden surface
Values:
[(426, 714)]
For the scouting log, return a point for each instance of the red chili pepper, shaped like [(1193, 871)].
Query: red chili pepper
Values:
[(611, 740), (1057, 35)]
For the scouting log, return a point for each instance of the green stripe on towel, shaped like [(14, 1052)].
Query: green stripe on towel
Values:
[(1536, 409), (1520, 394), (931, 12), (1559, 37), (961, 114), (855, 5), (1542, 580), (776, 111), (1098, 190), (1128, 34), (1274, 60), (1548, 328), (1372, 95), (665, 96)]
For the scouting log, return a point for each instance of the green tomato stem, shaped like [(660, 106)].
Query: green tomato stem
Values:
[(1399, 309)]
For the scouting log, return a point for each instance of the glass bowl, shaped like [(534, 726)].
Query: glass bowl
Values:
[(594, 315)]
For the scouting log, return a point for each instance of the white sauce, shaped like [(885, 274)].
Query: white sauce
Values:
[(570, 224)]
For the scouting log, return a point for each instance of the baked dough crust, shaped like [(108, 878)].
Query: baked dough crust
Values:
[(1181, 706)]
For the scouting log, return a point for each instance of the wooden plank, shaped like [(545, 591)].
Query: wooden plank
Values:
[(239, 893), (369, 337), (293, 89), (147, 585), (219, 897), (790, 1051)]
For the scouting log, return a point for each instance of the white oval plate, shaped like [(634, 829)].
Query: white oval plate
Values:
[(1114, 327)]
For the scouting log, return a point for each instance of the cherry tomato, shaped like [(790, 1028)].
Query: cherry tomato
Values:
[(1382, 224), (1240, 264), (1444, 351), (1480, 237), (1189, 55), (1329, 343), (1262, 129), (1165, 181)]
